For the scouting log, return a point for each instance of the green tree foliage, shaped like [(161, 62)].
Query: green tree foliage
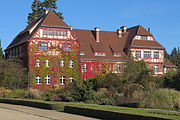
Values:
[(38, 9), (1, 51), (175, 56), (13, 75)]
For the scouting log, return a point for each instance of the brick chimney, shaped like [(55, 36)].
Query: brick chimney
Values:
[(123, 28), (97, 29), (119, 32)]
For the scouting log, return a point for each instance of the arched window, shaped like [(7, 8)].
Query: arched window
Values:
[(156, 68), (71, 63)]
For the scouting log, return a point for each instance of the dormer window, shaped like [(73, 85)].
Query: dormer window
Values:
[(117, 54), (144, 38), (99, 54)]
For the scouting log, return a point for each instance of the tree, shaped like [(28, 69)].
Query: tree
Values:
[(13, 74), (1, 51), (38, 9)]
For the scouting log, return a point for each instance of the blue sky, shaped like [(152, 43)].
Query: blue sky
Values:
[(162, 16)]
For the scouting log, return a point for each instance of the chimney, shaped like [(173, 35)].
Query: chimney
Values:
[(97, 29), (149, 30), (123, 28), (119, 32)]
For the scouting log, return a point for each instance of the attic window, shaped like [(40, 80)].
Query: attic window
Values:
[(144, 38), (117, 54), (55, 32), (99, 54)]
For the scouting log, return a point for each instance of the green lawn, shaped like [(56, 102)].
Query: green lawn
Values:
[(137, 111)]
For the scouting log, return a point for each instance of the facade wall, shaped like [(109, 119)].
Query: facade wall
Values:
[(45, 55)]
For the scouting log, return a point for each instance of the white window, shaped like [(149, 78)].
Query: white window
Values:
[(71, 63), (147, 54), (156, 68), (62, 63), (99, 54), (156, 55), (38, 80), (117, 54), (47, 79), (118, 67), (62, 80), (47, 63), (138, 54), (85, 67), (37, 62), (71, 79), (82, 53)]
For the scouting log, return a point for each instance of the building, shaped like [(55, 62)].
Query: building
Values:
[(56, 54)]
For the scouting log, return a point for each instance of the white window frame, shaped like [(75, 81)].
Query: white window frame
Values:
[(85, 67), (38, 80), (156, 68), (47, 79), (71, 79), (62, 80), (62, 64), (37, 62), (71, 64), (47, 63)]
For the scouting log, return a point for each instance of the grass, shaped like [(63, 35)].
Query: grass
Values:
[(136, 111), (59, 106)]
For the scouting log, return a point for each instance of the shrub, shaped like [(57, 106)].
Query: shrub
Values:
[(34, 94), (161, 99), (18, 93)]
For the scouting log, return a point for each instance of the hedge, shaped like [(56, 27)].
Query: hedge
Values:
[(34, 103), (96, 111), (107, 115)]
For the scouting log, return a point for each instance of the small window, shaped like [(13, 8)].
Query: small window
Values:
[(43, 46), (67, 47), (71, 79), (47, 63), (62, 80), (44, 32), (156, 55), (38, 80), (82, 53), (71, 64), (118, 67), (54, 32), (156, 68), (138, 54), (143, 37), (64, 33), (85, 67), (147, 54), (62, 64), (99, 54), (37, 62), (47, 79), (117, 54)]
